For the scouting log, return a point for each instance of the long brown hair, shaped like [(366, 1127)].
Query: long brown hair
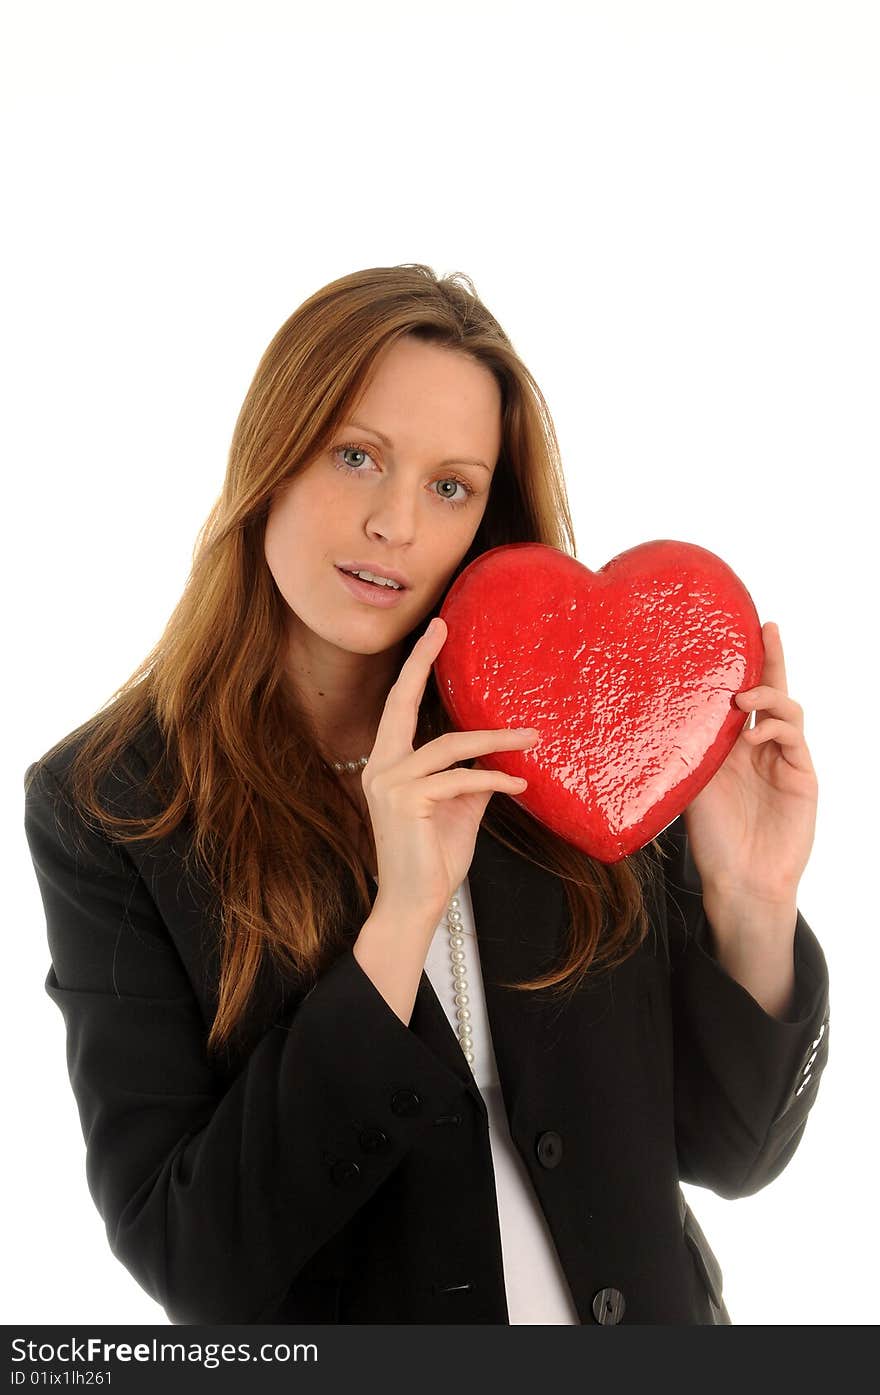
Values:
[(238, 755)]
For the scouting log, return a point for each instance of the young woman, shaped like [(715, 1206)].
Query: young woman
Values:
[(349, 1043)]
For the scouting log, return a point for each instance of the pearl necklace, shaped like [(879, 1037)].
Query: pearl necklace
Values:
[(456, 947), (459, 979), (348, 767)]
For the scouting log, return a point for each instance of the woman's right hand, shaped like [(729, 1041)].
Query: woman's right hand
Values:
[(425, 817)]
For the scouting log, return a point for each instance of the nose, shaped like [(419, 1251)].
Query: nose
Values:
[(392, 513)]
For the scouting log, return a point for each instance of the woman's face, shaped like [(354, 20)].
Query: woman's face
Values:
[(412, 503)]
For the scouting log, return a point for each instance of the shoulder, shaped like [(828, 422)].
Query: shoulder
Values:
[(49, 775)]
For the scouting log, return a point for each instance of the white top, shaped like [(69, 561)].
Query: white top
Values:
[(535, 1283)]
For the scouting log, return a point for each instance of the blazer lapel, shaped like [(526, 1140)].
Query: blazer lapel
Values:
[(520, 912)]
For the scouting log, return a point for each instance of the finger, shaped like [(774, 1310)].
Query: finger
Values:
[(766, 701), (397, 725), (466, 745), (789, 738), (448, 783), (773, 672)]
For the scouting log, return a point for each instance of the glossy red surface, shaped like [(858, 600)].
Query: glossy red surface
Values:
[(628, 673)]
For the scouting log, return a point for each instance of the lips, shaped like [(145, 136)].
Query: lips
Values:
[(377, 569), (368, 591), (366, 582)]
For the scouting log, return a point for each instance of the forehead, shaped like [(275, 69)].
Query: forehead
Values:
[(421, 395)]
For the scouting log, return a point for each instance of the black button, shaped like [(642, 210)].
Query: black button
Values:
[(608, 1306), (405, 1102), (549, 1149), (374, 1141), (345, 1173)]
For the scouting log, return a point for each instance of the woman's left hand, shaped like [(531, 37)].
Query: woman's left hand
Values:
[(751, 828)]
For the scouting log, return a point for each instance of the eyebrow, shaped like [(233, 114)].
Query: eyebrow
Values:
[(386, 441)]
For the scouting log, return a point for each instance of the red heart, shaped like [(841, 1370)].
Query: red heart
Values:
[(628, 674)]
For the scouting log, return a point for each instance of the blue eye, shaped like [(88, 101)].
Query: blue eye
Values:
[(362, 450)]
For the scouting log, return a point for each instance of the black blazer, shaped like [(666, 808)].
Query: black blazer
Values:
[(338, 1169)]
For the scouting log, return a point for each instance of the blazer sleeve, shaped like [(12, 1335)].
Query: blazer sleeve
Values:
[(214, 1198), (744, 1081)]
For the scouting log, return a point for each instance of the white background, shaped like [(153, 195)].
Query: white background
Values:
[(673, 210)]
